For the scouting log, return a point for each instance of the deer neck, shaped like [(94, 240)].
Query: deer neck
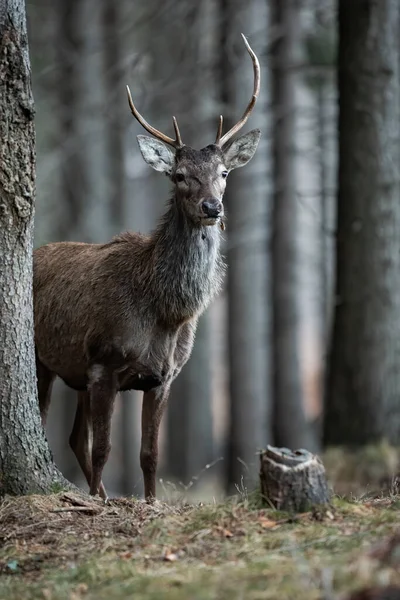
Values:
[(187, 265)]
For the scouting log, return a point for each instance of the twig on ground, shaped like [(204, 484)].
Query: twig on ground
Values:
[(74, 509)]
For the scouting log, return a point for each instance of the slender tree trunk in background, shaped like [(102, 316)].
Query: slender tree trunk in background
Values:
[(74, 187), (248, 277), (25, 460), (44, 46), (324, 249), (43, 49), (324, 208), (144, 193), (81, 116), (364, 376), (74, 175), (116, 117), (291, 427), (190, 431), (115, 99), (83, 210)]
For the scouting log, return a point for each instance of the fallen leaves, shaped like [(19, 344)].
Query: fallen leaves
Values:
[(131, 534), (170, 557), (39, 532), (268, 523), (224, 532)]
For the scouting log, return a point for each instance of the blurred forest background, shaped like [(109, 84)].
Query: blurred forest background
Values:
[(279, 331)]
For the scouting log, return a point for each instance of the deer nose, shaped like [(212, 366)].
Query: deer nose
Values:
[(211, 208)]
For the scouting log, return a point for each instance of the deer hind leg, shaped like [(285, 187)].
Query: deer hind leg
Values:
[(103, 389), (154, 403), (45, 379), (80, 439)]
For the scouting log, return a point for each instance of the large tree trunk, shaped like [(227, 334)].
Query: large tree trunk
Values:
[(291, 427), (25, 461), (247, 248), (363, 388)]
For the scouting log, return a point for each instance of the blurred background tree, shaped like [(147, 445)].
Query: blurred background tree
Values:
[(261, 356), (364, 377), (248, 280)]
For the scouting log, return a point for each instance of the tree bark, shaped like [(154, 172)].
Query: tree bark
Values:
[(25, 461), (290, 424), (322, 101), (363, 375), (292, 481)]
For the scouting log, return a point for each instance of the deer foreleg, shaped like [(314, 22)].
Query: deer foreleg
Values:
[(102, 396), (154, 403)]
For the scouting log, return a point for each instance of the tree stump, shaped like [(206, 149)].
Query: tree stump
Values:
[(293, 481)]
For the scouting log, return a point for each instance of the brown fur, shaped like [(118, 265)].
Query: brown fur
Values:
[(123, 315)]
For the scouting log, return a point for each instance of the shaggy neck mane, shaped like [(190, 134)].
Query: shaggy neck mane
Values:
[(186, 264)]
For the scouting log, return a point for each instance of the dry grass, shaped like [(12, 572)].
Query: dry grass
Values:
[(70, 546), (55, 529), (363, 472)]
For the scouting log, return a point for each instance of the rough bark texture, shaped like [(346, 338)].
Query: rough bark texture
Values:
[(292, 481), (288, 395), (363, 386), (25, 460)]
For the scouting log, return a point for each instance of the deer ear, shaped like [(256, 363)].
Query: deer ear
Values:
[(156, 154), (240, 151)]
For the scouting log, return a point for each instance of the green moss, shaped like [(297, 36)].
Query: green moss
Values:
[(57, 487), (221, 551)]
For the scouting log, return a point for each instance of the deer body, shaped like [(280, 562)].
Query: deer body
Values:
[(123, 315), (132, 303)]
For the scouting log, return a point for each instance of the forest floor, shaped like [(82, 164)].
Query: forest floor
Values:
[(68, 546)]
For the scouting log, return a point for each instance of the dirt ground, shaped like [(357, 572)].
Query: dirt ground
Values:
[(72, 546)]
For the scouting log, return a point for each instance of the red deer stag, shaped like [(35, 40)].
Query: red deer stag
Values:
[(123, 315)]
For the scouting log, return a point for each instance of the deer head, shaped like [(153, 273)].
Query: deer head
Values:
[(199, 176)]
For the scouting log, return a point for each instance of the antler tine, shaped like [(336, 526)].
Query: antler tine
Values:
[(219, 132), (250, 106), (177, 133), (177, 143)]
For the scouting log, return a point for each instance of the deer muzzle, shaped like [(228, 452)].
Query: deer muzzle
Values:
[(212, 208)]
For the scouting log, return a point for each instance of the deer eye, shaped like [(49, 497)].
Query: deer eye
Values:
[(179, 177), (224, 174)]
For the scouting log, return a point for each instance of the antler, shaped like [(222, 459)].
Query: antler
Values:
[(220, 141), (176, 143)]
